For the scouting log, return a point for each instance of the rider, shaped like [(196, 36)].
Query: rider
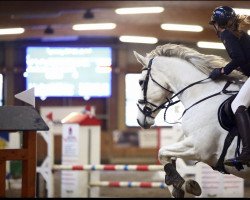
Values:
[(237, 43)]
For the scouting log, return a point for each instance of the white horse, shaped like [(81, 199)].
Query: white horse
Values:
[(173, 68)]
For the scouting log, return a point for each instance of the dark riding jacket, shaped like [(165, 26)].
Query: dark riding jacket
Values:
[(238, 50)]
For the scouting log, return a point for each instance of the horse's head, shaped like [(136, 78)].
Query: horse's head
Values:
[(154, 92)]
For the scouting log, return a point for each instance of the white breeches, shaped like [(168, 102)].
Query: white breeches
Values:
[(243, 97)]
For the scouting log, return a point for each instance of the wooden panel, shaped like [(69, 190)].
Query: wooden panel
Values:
[(2, 177), (131, 152), (29, 165), (42, 150), (13, 154), (106, 146), (58, 148)]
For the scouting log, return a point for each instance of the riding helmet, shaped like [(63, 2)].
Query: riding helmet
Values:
[(221, 15)]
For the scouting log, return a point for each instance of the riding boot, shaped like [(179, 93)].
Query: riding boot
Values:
[(243, 124)]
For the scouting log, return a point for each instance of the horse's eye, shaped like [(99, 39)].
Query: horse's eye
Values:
[(141, 82)]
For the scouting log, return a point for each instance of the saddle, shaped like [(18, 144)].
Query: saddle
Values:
[(225, 114), (227, 121)]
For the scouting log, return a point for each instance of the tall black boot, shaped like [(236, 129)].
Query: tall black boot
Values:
[(243, 124)]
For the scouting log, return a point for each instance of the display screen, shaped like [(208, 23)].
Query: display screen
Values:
[(69, 71)]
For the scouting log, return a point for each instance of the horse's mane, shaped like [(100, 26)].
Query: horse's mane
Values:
[(205, 63)]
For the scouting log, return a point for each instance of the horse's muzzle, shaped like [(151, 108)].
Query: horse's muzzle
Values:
[(145, 125)]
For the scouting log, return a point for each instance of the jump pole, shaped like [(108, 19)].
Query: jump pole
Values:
[(128, 184), (108, 167)]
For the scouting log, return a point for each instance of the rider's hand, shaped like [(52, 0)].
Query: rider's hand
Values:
[(216, 73)]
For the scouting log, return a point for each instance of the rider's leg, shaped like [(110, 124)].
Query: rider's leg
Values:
[(239, 107), (243, 97)]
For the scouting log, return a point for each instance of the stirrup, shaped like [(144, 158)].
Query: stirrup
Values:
[(244, 159), (233, 162)]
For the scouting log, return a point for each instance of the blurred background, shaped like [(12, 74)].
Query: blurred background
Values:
[(80, 53)]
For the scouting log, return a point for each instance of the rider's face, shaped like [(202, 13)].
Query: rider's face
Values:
[(217, 29)]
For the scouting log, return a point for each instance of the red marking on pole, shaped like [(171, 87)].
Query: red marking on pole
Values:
[(142, 168), (145, 184), (77, 167), (109, 167), (114, 184)]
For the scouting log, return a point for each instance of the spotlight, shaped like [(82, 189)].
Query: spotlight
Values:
[(88, 14), (49, 30)]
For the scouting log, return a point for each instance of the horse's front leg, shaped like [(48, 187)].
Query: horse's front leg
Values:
[(185, 150), (173, 178)]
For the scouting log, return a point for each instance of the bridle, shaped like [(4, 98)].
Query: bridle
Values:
[(147, 111)]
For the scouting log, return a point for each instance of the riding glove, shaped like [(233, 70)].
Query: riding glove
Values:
[(216, 73)]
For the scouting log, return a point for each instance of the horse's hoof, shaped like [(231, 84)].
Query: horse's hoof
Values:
[(175, 179), (178, 182), (193, 187), (172, 177), (178, 193), (168, 180)]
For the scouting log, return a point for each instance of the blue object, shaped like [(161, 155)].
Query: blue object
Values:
[(4, 135)]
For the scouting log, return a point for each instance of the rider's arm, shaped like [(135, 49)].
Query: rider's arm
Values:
[(234, 50)]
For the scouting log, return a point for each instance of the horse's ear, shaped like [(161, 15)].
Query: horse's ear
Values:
[(141, 59)]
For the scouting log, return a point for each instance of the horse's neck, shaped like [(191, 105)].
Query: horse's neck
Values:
[(179, 74)]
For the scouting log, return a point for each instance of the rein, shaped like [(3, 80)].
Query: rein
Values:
[(148, 111), (223, 91)]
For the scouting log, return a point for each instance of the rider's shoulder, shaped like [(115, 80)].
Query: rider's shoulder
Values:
[(226, 34)]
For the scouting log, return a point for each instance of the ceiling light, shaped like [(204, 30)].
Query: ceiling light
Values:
[(8, 31), (248, 32), (139, 10), (138, 39), (242, 11), (210, 45), (97, 26), (181, 27)]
